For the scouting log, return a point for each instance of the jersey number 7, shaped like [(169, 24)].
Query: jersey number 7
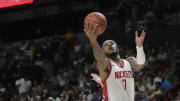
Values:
[(124, 81)]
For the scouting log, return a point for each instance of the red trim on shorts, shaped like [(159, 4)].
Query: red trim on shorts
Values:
[(104, 90)]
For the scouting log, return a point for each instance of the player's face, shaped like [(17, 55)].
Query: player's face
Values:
[(110, 47)]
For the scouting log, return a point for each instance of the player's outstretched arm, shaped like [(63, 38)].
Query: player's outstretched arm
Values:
[(97, 50), (138, 62)]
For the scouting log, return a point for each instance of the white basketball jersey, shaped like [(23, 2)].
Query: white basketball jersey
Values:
[(119, 83)]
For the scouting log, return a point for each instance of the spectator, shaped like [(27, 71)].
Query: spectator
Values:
[(64, 81), (2, 88), (165, 84)]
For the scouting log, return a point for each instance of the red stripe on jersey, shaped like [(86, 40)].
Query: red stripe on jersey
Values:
[(104, 90)]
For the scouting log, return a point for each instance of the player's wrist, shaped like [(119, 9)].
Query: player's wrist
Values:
[(139, 45), (92, 40), (140, 58)]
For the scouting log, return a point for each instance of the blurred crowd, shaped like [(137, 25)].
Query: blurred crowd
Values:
[(58, 68)]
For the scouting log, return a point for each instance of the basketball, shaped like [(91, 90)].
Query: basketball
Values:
[(99, 19)]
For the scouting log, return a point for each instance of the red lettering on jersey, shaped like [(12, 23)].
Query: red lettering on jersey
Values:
[(121, 74), (124, 74), (129, 74)]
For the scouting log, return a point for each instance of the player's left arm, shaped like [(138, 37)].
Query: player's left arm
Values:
[(138, 62)]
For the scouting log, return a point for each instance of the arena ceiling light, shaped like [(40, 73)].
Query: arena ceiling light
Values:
[(11, 3)]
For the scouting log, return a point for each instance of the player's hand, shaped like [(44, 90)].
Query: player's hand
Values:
[(90, 31), (140, 39), (96, 78)]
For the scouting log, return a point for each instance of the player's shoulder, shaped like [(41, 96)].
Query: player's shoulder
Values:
[(131, 58)]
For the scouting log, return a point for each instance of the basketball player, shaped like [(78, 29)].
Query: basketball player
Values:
[(116, 74)]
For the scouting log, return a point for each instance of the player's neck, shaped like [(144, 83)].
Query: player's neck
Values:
[(116, 59)]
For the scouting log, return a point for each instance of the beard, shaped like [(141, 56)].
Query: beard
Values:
[(113, 55)]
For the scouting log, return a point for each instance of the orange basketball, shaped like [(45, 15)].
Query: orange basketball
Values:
[(99, 19)]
